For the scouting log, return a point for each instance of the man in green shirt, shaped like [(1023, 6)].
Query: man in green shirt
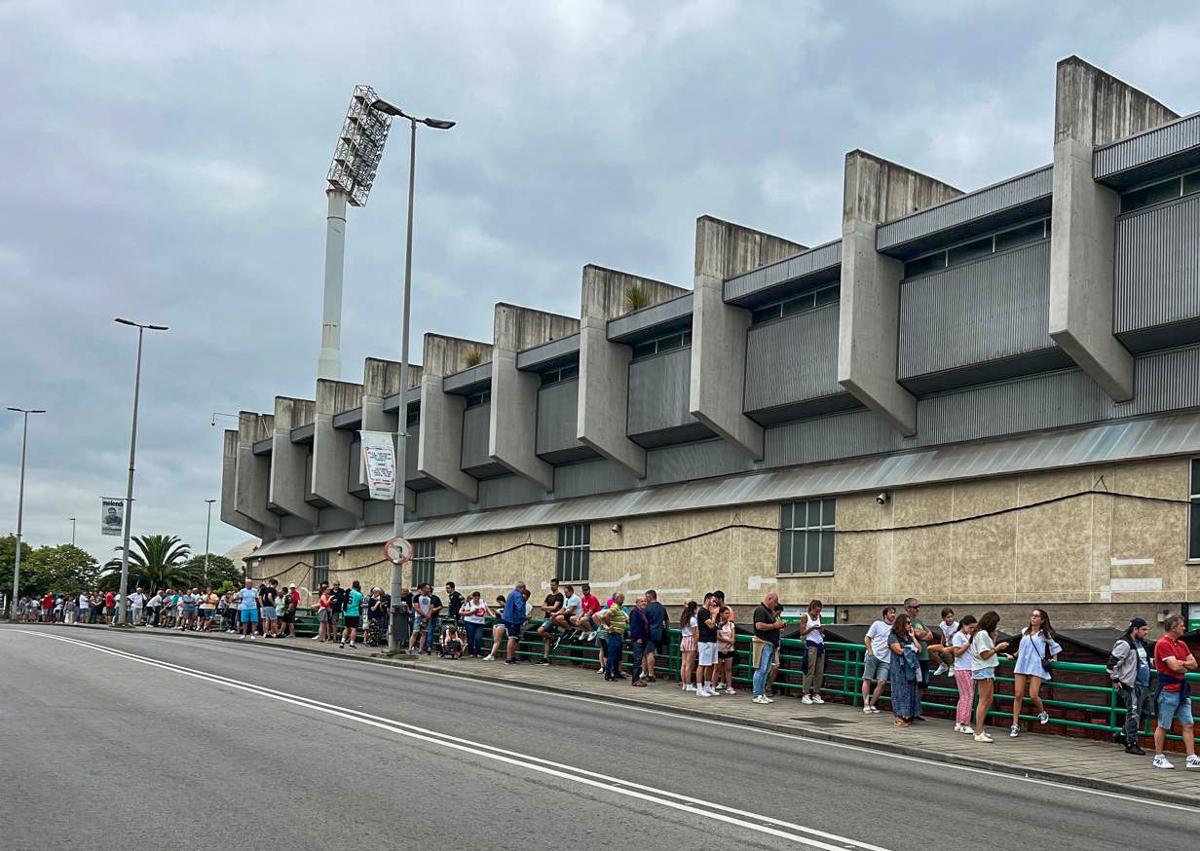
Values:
[(913, 607), (615, 622)]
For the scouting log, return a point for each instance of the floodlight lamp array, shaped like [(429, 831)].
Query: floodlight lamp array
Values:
[(359, 147)]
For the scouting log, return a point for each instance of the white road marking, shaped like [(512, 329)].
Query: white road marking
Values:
[(742, 728), (649, 794)]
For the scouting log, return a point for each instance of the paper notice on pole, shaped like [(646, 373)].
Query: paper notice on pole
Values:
[(379, 460), (112, 516)]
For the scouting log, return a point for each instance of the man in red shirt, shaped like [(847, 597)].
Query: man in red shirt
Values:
[(110, 606), (48, 608), (589, 605), (1173, 661)]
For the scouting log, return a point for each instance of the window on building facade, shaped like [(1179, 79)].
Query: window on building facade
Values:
[(1194, 512), (574, 550), (557, 376), (476, 400), (423, 561), (965, 252), (806, 536), (810, 300), (666, 343), (320, 568), (1160, 191), (412, 417)]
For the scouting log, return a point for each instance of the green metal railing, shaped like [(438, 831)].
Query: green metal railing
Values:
[(1083, 706)]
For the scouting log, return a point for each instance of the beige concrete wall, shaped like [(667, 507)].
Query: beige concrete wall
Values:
[(1085, 558)]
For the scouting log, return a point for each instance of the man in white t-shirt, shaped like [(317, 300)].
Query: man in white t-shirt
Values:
[(571, 607), (878, 658), (137, 600)]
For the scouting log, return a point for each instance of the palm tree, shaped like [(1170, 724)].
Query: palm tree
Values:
[(155, 561)]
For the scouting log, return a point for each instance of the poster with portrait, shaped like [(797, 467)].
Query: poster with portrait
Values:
[(112, 516)]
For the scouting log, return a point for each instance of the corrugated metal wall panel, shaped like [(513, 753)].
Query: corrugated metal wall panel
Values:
[(475, 436), (508, 490), (826, 438), (688, 461), (992, 199), (556, 414), (814, 260), (591, 477), (1046, 401), (658, 392), (993, 308), (562, 348), (647, 318), (1157, 270), (1164, 381), (792, 359), (1173, 138)]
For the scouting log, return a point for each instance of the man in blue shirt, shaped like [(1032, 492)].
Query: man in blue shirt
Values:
[(514, 621)]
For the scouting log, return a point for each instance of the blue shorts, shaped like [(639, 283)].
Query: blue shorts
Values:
[(249, 615), (875, 669), (268, 613), (984, 674), (1171, 707), (514, 629)]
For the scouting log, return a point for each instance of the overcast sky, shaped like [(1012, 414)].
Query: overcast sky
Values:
[(166, 162)]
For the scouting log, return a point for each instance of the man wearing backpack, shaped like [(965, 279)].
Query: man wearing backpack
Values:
[(1129, 667)]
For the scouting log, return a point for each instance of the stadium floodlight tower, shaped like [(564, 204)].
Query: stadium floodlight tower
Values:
[(355, 161)]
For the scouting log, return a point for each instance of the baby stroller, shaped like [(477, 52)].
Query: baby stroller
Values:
[(452, 642)]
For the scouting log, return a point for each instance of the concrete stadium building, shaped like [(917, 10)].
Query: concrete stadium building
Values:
[(982, 398)]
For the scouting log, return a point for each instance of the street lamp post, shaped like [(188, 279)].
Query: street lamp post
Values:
[(72, 519), (20, 506), (207, 538), (137, 385), (402, 418)]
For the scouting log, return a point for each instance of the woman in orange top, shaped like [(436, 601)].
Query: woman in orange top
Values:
[(326, 627)]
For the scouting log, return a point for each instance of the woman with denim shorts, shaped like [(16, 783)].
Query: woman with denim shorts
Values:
[(985, 658)]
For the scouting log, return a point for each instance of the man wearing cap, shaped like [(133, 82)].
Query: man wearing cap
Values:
[(1129, 667)]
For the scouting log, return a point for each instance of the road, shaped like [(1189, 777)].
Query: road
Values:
[(163, 741)]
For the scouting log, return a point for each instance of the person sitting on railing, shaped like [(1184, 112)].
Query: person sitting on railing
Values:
[(1037, 651), (947, 626), (551, 607), (499, 630), (1129, 667), (1174, 661), (564, 618)]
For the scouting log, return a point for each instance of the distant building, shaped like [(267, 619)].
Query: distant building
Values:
[(1013, 371)]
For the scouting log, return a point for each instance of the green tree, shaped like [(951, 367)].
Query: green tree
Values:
[(155, 561), (221, 571), (63, 569), (8, 555)]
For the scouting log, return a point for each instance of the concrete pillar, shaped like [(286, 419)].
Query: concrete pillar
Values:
[(439, 455), (604, 365), (288, 487), (877, 191), (718, 378), (1091, 108), (229, 512), (381, 379), (329, 363), (252, 474), (331, 446), (512, 428)]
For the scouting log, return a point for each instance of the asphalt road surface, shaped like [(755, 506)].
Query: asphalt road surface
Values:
[(155, 741)]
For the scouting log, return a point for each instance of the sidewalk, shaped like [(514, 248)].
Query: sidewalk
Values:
[(1078, 762)]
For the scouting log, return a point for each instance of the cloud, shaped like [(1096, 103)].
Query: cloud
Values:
[(167, 162)]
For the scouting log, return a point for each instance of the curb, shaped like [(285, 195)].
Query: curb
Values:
[(1122, 789)]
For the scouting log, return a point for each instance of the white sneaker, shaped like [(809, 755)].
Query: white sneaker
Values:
[(763, 699), (730, 690), (251, 636), (1014, 731), (967, 729), (867, 710), (1043, 717), (700, 692), (241, 638), (958, 728), (941, 669), (690, 687), (983, 737), (1161, 761), (816, 698), (316, 638), (489, 658), (806, 699), (600, 670), (1193, 761)]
